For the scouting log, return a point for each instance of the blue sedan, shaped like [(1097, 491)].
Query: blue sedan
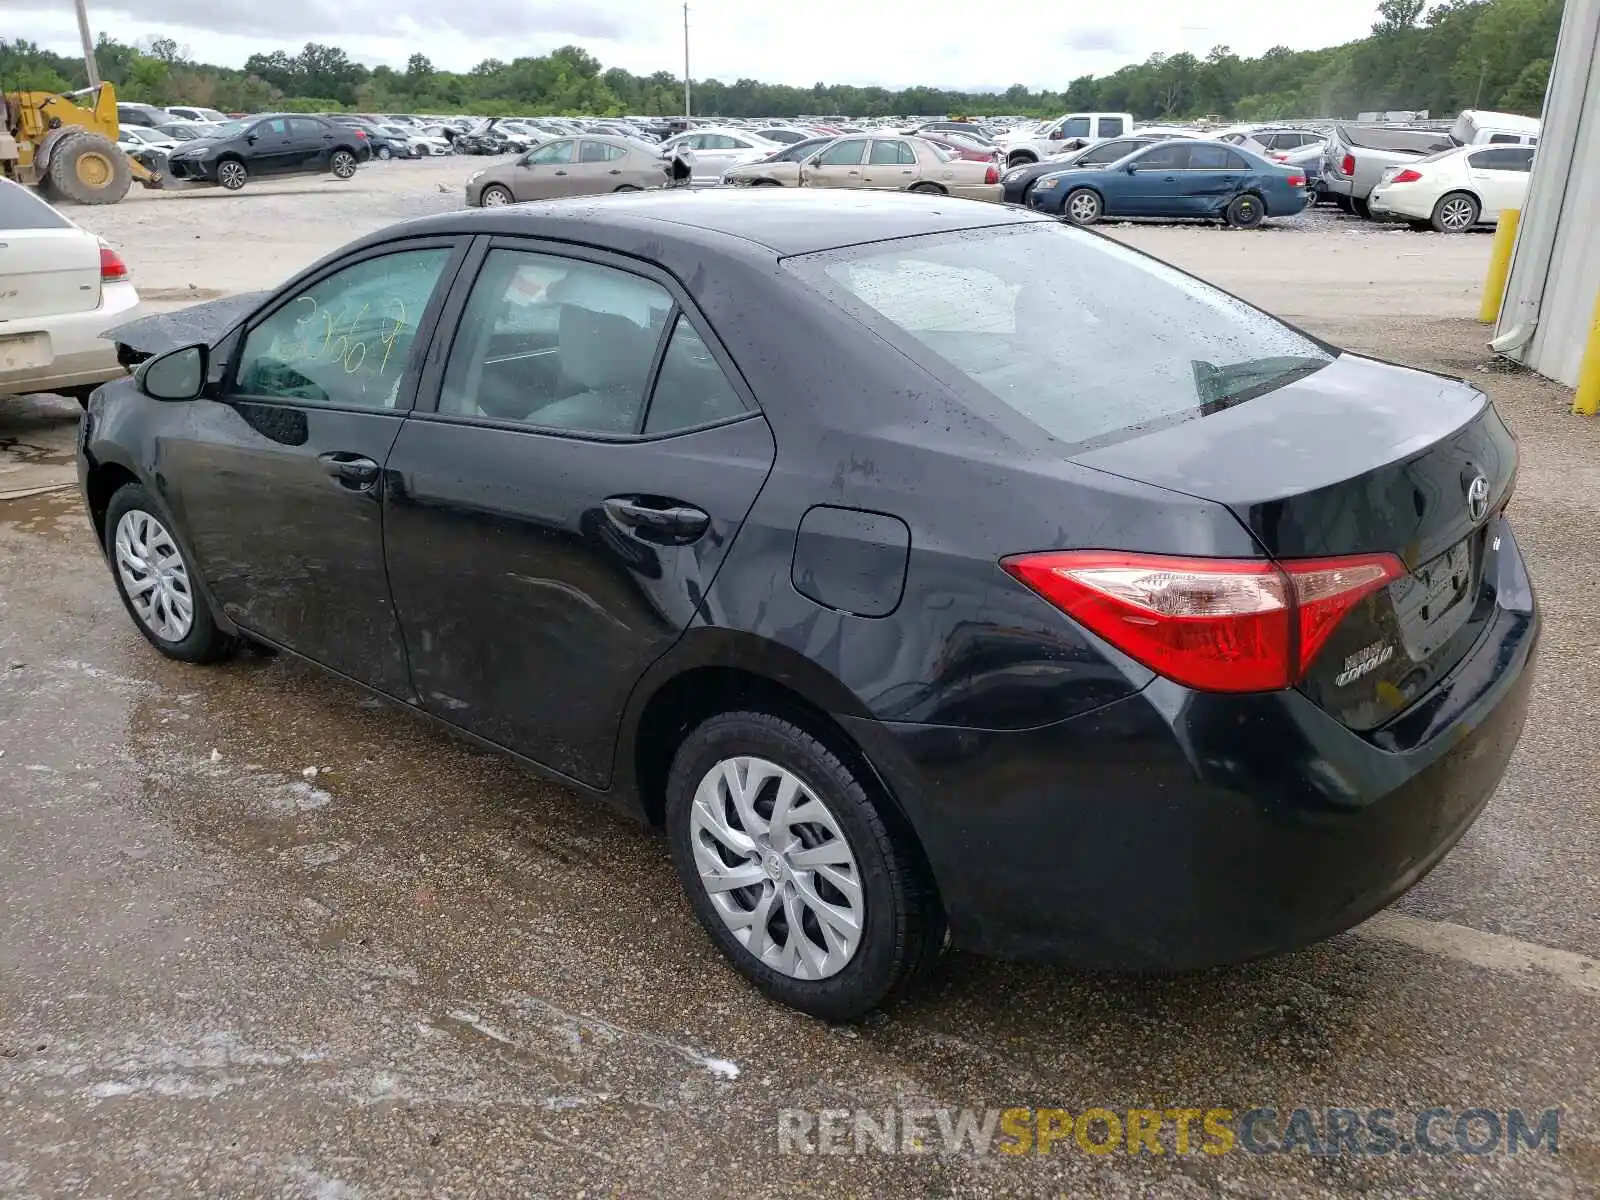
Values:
[(1180, 178)]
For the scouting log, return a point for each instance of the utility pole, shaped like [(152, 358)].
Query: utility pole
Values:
[(685, 58), (88, 45)]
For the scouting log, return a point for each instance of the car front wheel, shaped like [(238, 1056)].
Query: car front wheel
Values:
[(156, 581), (1082, 207), (231, 174), (793, 870)]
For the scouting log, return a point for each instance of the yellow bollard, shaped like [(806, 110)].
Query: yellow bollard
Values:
[(1494, 286), (1587, 401)]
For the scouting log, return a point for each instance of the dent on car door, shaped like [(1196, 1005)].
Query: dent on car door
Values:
[(556, 520), (278, 477)]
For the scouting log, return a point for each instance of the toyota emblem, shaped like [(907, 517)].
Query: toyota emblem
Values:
[(1478, 498)]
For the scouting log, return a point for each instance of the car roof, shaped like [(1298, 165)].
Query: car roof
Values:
[(784, 222)]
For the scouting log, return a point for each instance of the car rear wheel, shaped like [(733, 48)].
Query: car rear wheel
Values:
[(1361, 208), (158, 586), (383, 153), (765, 183), (793, 871), (494, 196), (1342, 202), (628, 187), (928, 189), (1245, 212), (1082, 207), (231, 174), (342, 164), (1021, 160), (1455, 213)]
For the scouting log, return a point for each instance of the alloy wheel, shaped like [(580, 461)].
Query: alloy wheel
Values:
[(1083, 207), (231, 175), (1456, 213), (154, 576), (344, 164), (777, 868), (494, 197)]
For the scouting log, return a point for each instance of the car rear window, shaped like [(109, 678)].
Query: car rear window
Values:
[(1086, 338), (20, 209)]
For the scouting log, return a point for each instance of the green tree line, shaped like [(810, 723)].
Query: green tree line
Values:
[(1457, 54)]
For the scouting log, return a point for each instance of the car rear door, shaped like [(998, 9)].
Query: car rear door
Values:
[(890, 164), (582, 459), (1213, 176), (312, 141), (595, 171), (1500, 177), (278, 478)]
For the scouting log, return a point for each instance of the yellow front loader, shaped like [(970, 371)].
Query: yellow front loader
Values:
[(68, 151)]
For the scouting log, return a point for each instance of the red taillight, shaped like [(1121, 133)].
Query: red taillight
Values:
[(1279, 157), (1407, 176), (992, 175), (111, 265), (361, 133), (1298, 181), (1348, 165), (1214, 624)]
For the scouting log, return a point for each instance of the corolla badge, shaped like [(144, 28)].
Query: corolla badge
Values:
[(1478, 498)]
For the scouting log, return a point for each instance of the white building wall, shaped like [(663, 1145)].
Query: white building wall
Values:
[(1555, 273)]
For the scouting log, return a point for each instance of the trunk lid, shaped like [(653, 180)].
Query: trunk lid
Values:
[(47, 273), (1358, 457)]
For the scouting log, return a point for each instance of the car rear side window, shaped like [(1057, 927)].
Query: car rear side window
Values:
[(1076, 127), (21, 209), (555, 343), (1110, 127), (346, 340), (691, 389), (1084, 337)]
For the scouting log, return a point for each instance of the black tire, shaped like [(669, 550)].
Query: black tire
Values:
[(343, 164), (1245, 212), (628, 187), (232, 174), (1420, 226), (765, 183), (383, 154), (1021, 159), (1343, 203), (1361, 208), (88, 169), (928, 189), (903, 927), (204, 642), (1082, 212), (1456, 212)]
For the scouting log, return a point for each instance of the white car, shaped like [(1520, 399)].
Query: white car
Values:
[(710, 152), (60, 288), (1454, 190), (1022, 146), (422, 145), (133, 138), (203, 116)]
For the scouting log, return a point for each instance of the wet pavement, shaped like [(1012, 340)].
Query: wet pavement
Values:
[(265, 936)]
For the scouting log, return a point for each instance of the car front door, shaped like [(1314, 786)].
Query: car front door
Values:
[(271, 147), (279, 478), (545, 173), (838, 165), (578, 467), (1500, 177), (1148, 184)]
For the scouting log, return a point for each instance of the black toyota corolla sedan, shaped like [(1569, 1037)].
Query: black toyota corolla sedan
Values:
[(933, 573)]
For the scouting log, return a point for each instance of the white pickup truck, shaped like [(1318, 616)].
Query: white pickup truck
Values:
[(1023, 146)]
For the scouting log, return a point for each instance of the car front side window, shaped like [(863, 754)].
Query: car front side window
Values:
[(346, 340), (555, 343), (554, 152)]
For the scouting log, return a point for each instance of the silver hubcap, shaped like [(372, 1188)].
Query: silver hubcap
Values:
[(494, 198), (232, 174), (1084, 208), (1457, 214), (154, 576), (777, 868)]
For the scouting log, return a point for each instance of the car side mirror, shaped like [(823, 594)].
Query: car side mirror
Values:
[(1133, 168), (250, 138), (176, 375)]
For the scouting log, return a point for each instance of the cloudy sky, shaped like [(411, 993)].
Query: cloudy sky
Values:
[(895, 43)]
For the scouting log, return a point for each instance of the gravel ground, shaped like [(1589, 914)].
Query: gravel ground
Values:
[(416, 971)]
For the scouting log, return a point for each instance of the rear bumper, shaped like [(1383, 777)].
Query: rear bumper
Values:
[(1397, 205), (79, 356), (1172, 830)]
